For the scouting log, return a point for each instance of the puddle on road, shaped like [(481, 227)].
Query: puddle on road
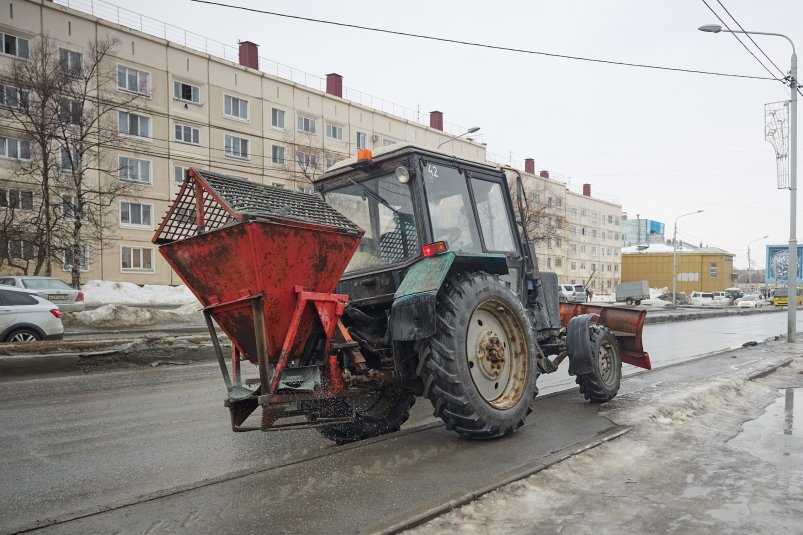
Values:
[(778, 433)]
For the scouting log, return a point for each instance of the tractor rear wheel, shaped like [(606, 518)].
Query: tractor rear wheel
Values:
[(376, 412), (478, 370), (602, 384)]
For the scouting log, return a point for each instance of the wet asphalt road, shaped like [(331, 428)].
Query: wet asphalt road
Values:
[(77, 443)]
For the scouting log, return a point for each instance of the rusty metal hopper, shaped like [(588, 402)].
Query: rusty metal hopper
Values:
[(231, 240)]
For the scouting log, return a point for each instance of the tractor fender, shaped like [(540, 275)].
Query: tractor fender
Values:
[(578, 344), (412, 315)]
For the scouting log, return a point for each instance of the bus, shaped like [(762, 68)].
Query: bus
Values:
[(780, 297)]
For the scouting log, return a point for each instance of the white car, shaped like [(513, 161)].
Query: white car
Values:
[(54, 290), (750, 301), (26, 317)]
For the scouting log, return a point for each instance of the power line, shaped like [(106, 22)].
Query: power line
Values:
[(740, 41), (751, 38), (483, 45)]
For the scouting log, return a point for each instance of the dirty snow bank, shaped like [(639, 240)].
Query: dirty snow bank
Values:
[(117, 315), (682, 469), (98, 291)]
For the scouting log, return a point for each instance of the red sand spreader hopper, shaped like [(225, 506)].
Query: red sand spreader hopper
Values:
[(264, 262)]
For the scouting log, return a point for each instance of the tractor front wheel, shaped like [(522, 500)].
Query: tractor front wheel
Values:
[(478, 370), (602, 384)]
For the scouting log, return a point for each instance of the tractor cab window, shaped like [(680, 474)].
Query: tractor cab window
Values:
[(450, 208), (493, 216), (383, 208)]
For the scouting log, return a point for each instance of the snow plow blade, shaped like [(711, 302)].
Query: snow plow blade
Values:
[(626, 324)]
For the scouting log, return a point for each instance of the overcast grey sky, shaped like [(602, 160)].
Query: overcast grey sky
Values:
[(660, 143)]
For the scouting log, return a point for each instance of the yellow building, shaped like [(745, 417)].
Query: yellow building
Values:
[(706, 269)]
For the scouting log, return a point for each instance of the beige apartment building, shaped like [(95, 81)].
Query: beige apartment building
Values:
[(193, 109)]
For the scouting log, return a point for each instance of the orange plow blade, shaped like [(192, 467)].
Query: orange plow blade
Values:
[(626, 325)]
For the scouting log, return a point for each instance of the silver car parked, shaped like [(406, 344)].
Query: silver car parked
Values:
[(54, 290)]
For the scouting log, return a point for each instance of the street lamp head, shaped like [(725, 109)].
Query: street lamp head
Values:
[(710, 28), (473, 129)]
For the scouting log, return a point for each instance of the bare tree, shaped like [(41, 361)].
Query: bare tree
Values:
[(306, 160), (64, 105), (542, 217), (31, 92)]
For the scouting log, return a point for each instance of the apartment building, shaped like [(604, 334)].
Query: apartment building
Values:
[(594, 237), (195, 109)]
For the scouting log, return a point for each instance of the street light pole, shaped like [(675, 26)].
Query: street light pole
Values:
[(791, 322), (750, 264), (675, 257), (469, 131)]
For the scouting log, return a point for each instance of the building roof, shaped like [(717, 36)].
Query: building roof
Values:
[(656, 248)]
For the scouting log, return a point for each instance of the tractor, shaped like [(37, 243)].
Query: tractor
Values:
[(404, 275)]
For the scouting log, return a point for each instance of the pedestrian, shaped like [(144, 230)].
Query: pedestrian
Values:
[(589, 295)]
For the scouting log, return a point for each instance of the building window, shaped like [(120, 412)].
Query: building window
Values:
[(558, 242), (305, 124), (186, 92), (573, 212), (573, 231), (187, 134), (583, 231), (583, 248), (13, 97), (70, 62), (593, 267), (236, 147), (20, 250), (593, 233), (594, 217), (133, 170), (558, 262), (573, 248), (234, 107), (593, 251), (610, 220), (277, 155), (330, 161), (386, 142), (15, 149), (179, 172), (277, 118), (304, 189), (334, 132), (558, 202), (362, 140), (136, 259), (70, 207), (616, 268), (132, 80), (712, 270), (69, 111), (69, 160), (278, 185), (573, 266), (83, 260), (14, 198), (548, 262), (307, 160), (136, 214), (132, 124), (14, 46)]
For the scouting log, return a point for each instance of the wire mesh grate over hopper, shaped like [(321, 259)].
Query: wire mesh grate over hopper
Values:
[(231, 240)]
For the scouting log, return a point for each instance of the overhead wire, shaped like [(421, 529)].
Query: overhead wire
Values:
[(483, 45), (740, 41), (751, 38)]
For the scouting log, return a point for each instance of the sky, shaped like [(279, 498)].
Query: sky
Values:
[(660, 143)]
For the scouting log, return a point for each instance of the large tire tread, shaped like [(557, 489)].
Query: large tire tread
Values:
[(444, 383), (591, 384)]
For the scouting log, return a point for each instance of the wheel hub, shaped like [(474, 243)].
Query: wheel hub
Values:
[(490, 354)]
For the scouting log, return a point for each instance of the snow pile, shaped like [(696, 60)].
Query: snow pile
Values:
[(117, 315), (97, 291), (659, 297)]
